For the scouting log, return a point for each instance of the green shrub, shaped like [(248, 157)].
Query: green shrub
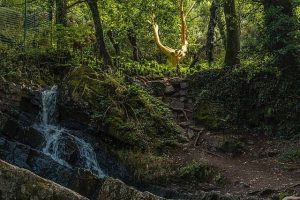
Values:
[(292, 155), (196, 172), (246, 100), (126, 111)]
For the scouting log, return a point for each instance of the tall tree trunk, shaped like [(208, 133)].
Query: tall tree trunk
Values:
[(102, 50), (116, 45), (61, 12), (196, 57), (211, 32), (50, 10), (221, 24), (136, 52), (280, 23), (233, 34), (61, 19)]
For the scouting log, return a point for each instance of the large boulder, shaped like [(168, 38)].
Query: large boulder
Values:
[(114, 189), (86, 183), (23, 134), (17, 183)]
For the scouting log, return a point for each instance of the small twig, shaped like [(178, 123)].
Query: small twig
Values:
[(191, 8), (75, 3)]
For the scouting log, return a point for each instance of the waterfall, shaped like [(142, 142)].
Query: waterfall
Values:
[(58, 139)]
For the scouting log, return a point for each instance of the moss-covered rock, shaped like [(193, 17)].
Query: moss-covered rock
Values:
[(130, 116), (114, 189), (17, 183), (209, 115)]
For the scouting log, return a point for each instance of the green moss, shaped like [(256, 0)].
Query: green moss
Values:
[(246, 100), (129, 114), (148, 167), (232, 146), (292, 155), (197, 172), (206, 114)]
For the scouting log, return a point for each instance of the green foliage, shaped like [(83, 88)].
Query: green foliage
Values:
[(281, 34), (245, 100), (232, 146), (196, 172), (147, 167), (153, 69), (292, 155), (129, 114)]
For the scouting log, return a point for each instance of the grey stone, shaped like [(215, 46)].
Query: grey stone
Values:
[(183, 92), (114, 189), (169, 90), (190, 133), (184, 85), (175, 104), (17, 183)]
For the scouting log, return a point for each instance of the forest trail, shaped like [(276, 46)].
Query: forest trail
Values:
[(257, 169)]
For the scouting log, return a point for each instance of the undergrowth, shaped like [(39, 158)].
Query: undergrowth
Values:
[(127, 112), (244, 100)]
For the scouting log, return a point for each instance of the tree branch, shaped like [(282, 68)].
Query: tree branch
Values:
[(75, 3)]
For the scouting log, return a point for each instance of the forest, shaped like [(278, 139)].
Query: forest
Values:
[(150, 99)]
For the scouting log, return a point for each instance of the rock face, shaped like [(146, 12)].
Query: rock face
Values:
[(16, 183), (113, 189), (21, 184)]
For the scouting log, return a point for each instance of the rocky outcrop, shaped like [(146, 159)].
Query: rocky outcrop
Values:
[(113, 189), (21, 184)]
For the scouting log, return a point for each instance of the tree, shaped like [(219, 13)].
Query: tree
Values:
[(233, 34), (211, 32), (280, 29), (111, 35), (136, 52), (61, 12), (102, 50), (175, 55)]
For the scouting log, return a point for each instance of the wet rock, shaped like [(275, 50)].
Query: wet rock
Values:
[(24, 156), (25, 135), (70, 152), (16, 183), (14, 152), (29, 104), (32, 137), (3, 119), (12, 128), (74, 116), (86, 183)]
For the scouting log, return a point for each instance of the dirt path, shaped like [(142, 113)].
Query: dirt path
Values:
[(245, 175), (258, 168)]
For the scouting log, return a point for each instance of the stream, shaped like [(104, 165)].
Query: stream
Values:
[(59, 140)]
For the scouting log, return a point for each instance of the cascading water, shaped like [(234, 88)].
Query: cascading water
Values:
[(58, 138)]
